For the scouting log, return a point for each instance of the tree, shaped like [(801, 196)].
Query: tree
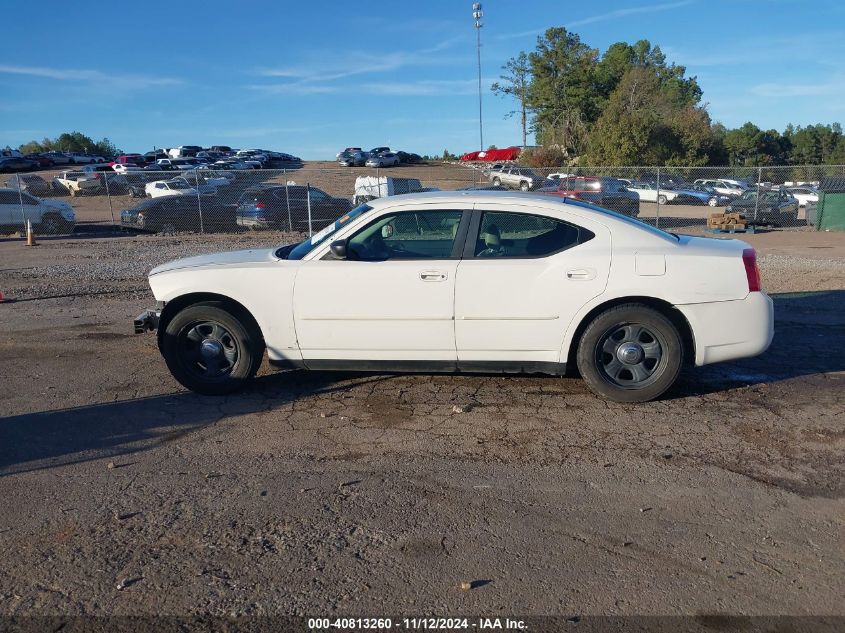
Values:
[(642, 124), (815, 144), (751, 146), (562, 90), (515, 84), (72, 142)]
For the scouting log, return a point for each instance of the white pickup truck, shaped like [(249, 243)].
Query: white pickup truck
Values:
[(77, 182)]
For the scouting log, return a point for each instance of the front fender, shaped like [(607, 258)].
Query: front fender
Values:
[(265, 291)]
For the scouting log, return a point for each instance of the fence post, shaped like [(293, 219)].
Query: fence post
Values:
[(308, 202), (757, 197), (657, 217), (108, 194), (20, 200), (199, 199), (287, 199)]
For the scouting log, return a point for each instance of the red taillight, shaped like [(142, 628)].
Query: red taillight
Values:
[(752, 272), (260, 205)]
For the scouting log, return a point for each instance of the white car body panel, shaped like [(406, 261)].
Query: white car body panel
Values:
[(384, 310), (160, 188), (482, 309), (804, 196)]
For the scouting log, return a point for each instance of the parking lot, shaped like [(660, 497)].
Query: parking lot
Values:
[(380, 494)]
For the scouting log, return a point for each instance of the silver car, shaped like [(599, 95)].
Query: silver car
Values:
[(388, 159), (515, 177)]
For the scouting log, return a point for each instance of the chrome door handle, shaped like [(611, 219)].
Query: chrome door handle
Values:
[(433, 275), (581, 274)]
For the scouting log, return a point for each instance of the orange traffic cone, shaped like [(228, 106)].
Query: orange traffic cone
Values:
[(30, 234)]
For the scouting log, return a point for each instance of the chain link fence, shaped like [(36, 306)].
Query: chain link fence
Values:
[(306, 199)]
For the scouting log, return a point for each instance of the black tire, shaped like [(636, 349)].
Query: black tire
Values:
[(612, 336), (52, 224), (497, 182), (524, 186), (236, 348), (661, 199)]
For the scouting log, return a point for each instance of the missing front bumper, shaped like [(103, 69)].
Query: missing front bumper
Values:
[(147, 321)]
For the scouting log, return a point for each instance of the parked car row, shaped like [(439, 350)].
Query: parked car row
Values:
[(276, 207), (376, 157), (13, 160)]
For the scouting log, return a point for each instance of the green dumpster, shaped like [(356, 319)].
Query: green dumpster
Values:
[(830, 215)]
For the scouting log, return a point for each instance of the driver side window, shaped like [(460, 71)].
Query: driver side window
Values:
[(406, 235)]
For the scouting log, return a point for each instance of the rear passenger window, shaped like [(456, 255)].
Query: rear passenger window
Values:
[(525, 235)]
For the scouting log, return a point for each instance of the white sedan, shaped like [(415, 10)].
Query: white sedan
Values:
[(175, 187), (804, 195), (124, 169), (648, 192), (466, 281)]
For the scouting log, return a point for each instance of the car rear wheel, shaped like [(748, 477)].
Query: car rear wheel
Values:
[(497, 182), (524, 186), (661, 199), (713, 202), (212, 348), (630, 353)]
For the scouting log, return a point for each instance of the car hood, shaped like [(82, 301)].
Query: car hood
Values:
[(231, 258), (56, 204), (746, 203)]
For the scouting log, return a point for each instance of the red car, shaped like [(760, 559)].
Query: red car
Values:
[(609, 193)]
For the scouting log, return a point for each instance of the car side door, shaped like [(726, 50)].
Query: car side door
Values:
[(390, 301), (525, 274)]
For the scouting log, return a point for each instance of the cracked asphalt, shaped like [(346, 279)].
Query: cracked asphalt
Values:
[(329, 493)]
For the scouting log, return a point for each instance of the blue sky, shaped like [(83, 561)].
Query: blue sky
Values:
[(311, 78)]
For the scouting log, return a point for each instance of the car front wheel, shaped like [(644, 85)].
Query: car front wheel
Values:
[(497, 182), (212, 348), (54, 225), (662, 199), (524, 186), (630, 353)]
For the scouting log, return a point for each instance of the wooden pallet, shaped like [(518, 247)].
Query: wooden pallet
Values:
[(732, 228)]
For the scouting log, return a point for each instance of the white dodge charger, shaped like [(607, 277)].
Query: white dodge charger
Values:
[(469, 281)]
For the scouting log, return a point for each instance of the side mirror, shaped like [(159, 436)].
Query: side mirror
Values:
[(338, 249)]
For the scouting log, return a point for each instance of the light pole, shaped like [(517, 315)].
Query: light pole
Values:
[(477, 14)]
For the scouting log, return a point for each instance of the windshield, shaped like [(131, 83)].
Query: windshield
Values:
[(303, 248)]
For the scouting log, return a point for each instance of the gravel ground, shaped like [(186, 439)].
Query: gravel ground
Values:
[(327, 494)]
